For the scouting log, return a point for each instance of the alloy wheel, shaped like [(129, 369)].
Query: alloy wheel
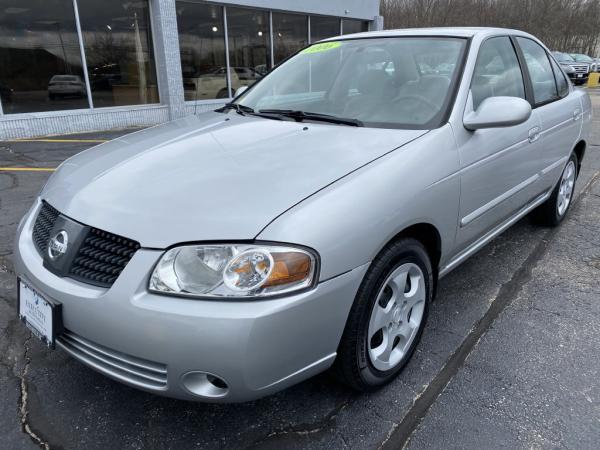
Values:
[(565, 190), (396, 316)]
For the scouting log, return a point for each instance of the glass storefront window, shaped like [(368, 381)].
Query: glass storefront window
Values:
[(202, 48), (350, 26), (40, 60), (249, 44), (119, 53), (323, 27), (290, 34)]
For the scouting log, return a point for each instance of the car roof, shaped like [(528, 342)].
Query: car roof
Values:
[(464, 32)]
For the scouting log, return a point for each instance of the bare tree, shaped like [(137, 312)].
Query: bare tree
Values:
[(564, 25)]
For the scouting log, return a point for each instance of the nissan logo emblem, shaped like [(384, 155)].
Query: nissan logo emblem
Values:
[(57, 246)]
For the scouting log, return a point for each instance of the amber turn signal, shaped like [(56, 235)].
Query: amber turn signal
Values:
[(289, 267)]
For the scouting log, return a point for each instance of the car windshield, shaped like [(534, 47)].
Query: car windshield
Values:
[(582, 58), (563, 57), (377, 82)]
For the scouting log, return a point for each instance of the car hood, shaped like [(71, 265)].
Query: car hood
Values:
[(210, 177)]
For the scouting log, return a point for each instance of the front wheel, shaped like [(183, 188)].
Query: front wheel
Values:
[(387, 318), (554, 210)]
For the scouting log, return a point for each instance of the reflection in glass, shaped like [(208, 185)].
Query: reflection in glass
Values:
[(323, 27), (371, 80), (40, 61), (119, 53), (202, 49), (290, 34), (350, 26), (249, 44)]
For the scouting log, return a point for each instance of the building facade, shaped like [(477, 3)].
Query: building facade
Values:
[(81, 65)]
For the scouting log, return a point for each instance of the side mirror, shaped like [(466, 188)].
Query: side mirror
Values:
[(241, 90), (496, 112)]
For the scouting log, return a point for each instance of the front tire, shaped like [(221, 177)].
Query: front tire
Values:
[(387, 318), (553, 211), (224, 93)]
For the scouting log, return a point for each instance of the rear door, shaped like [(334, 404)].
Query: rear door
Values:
[(558, 109), (498, 165)]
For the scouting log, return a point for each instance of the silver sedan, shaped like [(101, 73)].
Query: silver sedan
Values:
[(225, 256)]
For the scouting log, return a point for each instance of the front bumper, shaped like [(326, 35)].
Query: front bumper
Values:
[(579, 80), (166, 344), (67, 90)]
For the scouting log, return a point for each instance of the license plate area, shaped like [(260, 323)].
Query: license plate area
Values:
[(42, 316)]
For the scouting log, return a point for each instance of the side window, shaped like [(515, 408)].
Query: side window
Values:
[(540, 71), (561, 79), (497, 72)]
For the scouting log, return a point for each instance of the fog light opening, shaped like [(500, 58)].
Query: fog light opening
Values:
[(216, 381), (205, 384)]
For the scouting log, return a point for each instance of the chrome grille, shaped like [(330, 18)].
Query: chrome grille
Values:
[(581, 68), (126, 368)]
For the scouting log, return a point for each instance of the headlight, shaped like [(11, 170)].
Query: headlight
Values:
[(236, 270)]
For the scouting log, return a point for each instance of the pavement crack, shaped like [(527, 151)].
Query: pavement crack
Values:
[(401, 434), (23, 411), (304, 430)]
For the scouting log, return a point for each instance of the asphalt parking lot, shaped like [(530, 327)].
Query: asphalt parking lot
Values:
[(510, 358)]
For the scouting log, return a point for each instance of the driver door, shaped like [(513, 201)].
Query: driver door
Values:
[(498, 167)]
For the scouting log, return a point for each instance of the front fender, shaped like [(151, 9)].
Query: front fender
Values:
[(350, 221)]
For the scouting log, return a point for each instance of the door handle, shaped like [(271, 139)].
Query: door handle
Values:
[(577, 114), (534, 134)]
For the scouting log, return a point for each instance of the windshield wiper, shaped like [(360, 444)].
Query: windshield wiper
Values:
[(240, 109), (245, 110), (300, 116)]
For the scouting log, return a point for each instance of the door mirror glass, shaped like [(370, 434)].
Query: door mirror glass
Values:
[(496, 112)]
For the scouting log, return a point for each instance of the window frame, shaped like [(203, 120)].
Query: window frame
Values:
[(525, 68), (151, 31), (561, 74), (273, 41), (526, 82), (73, 7)]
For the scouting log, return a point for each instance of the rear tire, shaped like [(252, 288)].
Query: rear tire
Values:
[(387, 318), (553, 211)]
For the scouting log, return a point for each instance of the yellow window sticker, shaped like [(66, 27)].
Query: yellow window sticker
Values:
[(322, 47)]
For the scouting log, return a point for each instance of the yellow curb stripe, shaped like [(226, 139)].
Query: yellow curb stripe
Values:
[(98, 141), (27, 169)]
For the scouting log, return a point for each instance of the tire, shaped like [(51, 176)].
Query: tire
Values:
[(553, 211), (224, 93), (357, 364)]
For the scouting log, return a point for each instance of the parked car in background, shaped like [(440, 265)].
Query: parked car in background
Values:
[(581, 58), (578, 72), (304, 225), (65, 86), (247, 74), (214, 84)]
